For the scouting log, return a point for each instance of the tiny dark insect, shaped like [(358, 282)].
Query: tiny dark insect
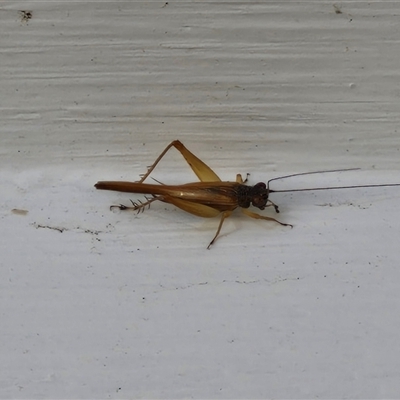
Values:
[(210, 197), (25, 15), (337, 9)]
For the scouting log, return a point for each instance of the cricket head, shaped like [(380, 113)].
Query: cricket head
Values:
[(259, 195)]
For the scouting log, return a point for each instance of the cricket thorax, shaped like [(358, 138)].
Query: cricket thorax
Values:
[(256, 195)]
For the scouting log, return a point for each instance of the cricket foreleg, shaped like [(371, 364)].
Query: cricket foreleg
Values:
[(258, 216), (138, 206), (225, 215), (202, 170), (273, 205)]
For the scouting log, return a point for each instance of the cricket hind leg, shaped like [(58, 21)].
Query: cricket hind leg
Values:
[(225, 215), (202, 170), (138, 205), (258, 216)]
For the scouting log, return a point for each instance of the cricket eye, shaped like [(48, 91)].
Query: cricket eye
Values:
[(259, 202), (260, 185)]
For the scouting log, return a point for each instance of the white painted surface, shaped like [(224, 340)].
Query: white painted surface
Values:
[(124, 306)]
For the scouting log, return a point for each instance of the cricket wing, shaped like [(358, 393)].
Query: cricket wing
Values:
[(216, 196), (222, 196), (131, 187)]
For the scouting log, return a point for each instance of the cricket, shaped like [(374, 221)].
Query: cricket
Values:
[(210, 197)]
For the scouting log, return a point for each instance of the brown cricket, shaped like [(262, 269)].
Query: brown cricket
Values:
[(210, 197)]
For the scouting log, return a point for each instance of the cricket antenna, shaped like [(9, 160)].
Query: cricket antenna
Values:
[(309, 173), (326, 188)]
